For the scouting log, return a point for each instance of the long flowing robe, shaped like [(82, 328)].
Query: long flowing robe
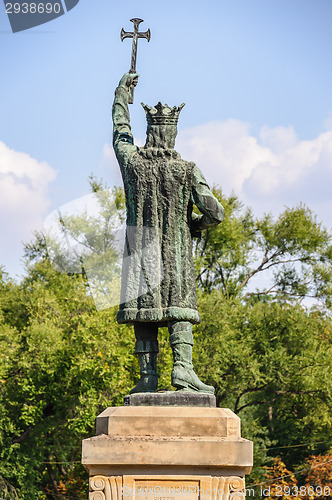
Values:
[(158, 280)]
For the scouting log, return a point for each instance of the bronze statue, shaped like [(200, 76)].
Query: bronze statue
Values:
[(160, 189), (158, 282)]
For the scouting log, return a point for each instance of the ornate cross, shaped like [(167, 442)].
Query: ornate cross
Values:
[(135, 35)]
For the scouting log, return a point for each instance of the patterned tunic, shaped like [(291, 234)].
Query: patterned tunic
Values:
[(158, 280)]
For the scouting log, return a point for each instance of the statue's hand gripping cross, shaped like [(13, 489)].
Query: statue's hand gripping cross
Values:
[(135, 35)]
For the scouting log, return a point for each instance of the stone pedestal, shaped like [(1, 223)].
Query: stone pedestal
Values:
[(167, 453)]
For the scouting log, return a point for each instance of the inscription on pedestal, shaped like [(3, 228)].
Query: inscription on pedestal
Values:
[(166, 490)]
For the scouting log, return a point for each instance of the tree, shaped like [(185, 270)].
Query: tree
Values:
[(61, 364), (313, 481), (271, 364), (268, 356), (280, 482)]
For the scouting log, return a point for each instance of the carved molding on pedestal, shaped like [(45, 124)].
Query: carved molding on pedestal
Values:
[(228, 488), (105, 488)]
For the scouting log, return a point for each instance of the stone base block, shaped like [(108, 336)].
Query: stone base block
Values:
[(167, 453)]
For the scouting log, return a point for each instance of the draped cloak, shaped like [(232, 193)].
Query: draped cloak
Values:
[(158, 280)]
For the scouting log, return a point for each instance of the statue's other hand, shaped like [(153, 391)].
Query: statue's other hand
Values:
[(128, 80)]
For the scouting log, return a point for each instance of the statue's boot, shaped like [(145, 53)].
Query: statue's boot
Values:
[(147, 351), (183, 375)]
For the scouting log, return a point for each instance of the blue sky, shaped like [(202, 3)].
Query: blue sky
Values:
[(256, 76)]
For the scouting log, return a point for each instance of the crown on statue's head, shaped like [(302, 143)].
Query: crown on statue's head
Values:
[(162, 114)]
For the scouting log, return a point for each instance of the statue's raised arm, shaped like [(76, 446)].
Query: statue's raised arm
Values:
[(123, 141)]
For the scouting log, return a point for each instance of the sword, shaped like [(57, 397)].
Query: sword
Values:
[(135, 35)]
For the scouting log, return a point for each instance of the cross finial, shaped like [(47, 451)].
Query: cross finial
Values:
[(135, 35)]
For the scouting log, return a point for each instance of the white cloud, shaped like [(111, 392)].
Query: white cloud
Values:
[(24, 184), (294, 163), (268, 171), (225, 152)]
